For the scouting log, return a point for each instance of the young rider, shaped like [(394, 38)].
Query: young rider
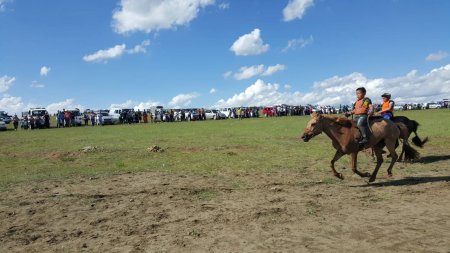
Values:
[(362, 108), (387, 108)]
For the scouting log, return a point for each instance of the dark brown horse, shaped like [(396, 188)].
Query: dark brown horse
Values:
[(407, 127), (344, 136)]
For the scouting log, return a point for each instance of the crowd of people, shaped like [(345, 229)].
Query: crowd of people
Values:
[(32, 122), (69, 118)]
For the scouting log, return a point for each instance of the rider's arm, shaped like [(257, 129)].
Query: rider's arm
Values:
[(371, 110)]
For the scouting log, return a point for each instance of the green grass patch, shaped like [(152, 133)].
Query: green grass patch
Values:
[(210, 147)]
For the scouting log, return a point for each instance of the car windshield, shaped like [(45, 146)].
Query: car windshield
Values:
[(38, 113), (75, 113), (104, 114)]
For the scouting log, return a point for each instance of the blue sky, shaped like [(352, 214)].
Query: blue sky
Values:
[(161, 52)]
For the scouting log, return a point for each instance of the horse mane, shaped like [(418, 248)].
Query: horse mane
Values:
[(341, 121)]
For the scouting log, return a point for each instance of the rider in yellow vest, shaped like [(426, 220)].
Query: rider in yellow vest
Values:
[(362, 109), (387, 108)]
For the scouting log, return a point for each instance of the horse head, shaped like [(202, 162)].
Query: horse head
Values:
[(313, 128)]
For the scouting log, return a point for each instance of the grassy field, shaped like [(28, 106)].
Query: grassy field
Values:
[(219, 186), (264, 144)]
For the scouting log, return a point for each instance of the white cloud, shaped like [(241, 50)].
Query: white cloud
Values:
[(116, 52), (35, 84), (45, 70), (295, 9), (433, 86), (6, 82), (257, 94), (273, 69), (182, 100), (287, 86), (155, 15), (103, 55), (227, 74), (257, 70), (11, 104), (212, 91), (66, 104), (142, 48), (224, 6), (298, 43), (3, 4), (249, 72), (250, 44), (130, 104), (437, 56)]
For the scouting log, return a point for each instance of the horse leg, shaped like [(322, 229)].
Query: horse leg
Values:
[(400, 157), (379, 155), (355, 165), (336, 157), (391, 147)]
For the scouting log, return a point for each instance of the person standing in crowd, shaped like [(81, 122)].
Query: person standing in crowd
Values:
[(60, 119), (150, 116), (100, 119), (46, 120), (57, 119), (24, 125), (92, 119), (145, 116), (31, 122), (86, 119), (67, 118), (387, 107), (15, 122), (171, 116)]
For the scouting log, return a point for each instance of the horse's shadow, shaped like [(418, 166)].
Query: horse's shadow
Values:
[(409, 181), (433, 158)]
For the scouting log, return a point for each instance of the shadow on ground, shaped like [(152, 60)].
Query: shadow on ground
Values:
[(409, 181), (433, 158)]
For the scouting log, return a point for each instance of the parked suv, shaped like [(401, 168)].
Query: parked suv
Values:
[(38, 115), (214, 114), (2, 125), (106, 118), (5, 117)]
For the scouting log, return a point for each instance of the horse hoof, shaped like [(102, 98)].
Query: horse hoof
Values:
[(389, 175), (371, 180), (367, 174), (340, 176)]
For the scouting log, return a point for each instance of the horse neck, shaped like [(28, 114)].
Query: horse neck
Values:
[(335, 132)]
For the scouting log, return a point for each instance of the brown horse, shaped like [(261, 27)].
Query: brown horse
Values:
[(345, 135)]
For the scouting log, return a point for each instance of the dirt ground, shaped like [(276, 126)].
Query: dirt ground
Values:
[(229, 212)]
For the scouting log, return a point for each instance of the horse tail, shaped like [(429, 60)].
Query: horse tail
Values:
[(413, 127), (418, 142), (410, 153)]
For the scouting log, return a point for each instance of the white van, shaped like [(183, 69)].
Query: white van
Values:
[(227, 111), (115, 114)]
